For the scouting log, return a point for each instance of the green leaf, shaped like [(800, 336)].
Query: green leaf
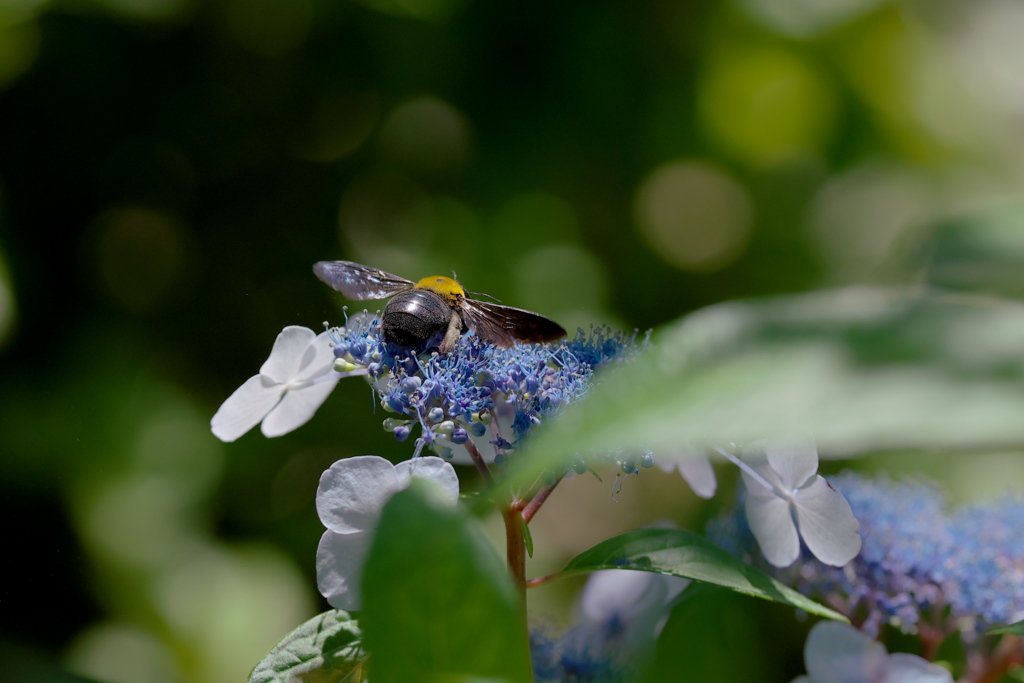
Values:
[(862, 369), (528, 539), (439, 603), (326, 649), (1015, 629), (691, 556)]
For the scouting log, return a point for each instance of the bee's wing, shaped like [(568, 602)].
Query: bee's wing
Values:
[(503, 325), (357, 281)]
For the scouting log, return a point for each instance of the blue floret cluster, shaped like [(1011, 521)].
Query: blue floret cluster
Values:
[(959, 571), (479, 388)]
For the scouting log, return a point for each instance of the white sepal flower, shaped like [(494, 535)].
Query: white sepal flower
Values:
[(349, 501), (292, 384), (694, 466), (839, 653), (788, 485)]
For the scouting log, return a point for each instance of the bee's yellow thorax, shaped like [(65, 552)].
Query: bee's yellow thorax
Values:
[(448, 288)]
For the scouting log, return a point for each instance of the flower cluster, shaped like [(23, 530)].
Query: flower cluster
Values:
[(962, 570), (494, 396)]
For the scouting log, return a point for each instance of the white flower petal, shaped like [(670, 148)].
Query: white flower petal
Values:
[(433, 469), (755, 455), (699, 474), (826, 523), (795, 460), (318, 359), (907, 668), (297, 407), (838, 653), (244, 409), (339, 567), (286, 356), (353, 492), (619, 592), (772, 524)]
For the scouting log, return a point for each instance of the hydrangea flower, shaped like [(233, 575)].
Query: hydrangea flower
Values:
[(838, 653), (694, 466), (294, 381), (620, 614), (784, 484), (349, 501), (963, 571)]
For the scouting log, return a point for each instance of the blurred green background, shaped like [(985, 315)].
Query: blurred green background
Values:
[(170, 170)]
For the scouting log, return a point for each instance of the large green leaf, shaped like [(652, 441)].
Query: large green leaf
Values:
[(691, 556), (326, 649), (439, 604), (861, 369)]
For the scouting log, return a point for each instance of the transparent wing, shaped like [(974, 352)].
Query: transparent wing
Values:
[(359, 282), (503, 325)]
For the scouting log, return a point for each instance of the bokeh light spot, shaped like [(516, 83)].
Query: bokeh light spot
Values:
[(766, 105), (534, 218), (694, 215), (805, 18), (142, 256), (859, 220), (271, 28), (19, 44), (427, 135), (119, 653), (340, 124), (563, 281)]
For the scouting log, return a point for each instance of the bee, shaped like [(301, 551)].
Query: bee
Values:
[(420, 310)]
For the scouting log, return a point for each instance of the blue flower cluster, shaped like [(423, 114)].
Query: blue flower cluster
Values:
[(457, 396), (586, 653), (960, 571)]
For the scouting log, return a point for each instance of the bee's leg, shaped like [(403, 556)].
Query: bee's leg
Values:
[(453, 333)]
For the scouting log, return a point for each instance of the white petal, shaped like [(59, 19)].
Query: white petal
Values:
[(699, 474), (771, 522), (838, 653), (755, 455), (285, 357), (243, 410), (433, 469), (796, 460), (317, 359), (339, 567), (353, 491), (297, 407), (907, 668), (826, 523), (620, 592)]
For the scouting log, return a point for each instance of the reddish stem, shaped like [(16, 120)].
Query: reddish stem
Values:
[(478, 460), (534, 505), (515, 548), (1008, 655)]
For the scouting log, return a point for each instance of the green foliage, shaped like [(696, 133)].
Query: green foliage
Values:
[(709, 636), (325, 649), (683, 553), (1015, 629), (862, 369), (438, 600)]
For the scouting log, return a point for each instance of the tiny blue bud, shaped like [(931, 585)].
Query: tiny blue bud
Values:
[(459, 435), (579, 464), (477, 428), (402, 432), (446, 427), (411, 384), (435, 414), (647, 460)]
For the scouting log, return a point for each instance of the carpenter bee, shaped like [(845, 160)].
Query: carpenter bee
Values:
[(419, 310)]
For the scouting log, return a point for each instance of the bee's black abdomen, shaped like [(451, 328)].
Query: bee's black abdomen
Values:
[(413, 317)]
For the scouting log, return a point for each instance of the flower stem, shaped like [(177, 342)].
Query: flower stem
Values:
[(749, 470), (515, 548), (534, 505), (478, 460)]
